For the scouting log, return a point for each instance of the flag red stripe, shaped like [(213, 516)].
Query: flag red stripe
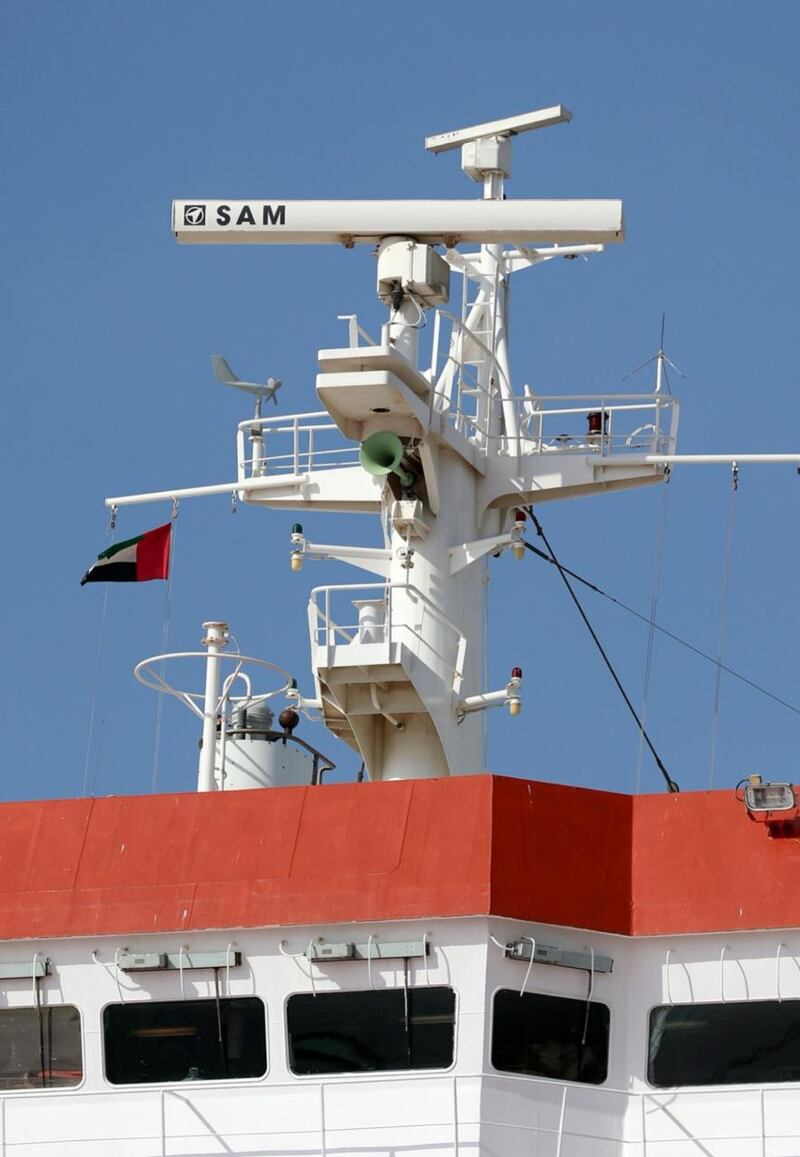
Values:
[(152, 554)]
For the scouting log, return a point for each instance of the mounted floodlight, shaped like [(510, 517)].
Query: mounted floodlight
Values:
[(768, 797), (506, 127), (348, 223), (262, 391)]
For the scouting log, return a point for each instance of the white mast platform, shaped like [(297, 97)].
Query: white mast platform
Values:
[(446, 453)]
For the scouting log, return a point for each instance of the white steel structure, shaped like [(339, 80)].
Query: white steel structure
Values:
[(449, 450), (192, 903), (466, 1111)]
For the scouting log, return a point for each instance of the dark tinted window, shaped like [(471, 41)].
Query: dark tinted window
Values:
[(724, 1044), (366, 1032), (40, 1048), (550, 1036), (185, 1040)]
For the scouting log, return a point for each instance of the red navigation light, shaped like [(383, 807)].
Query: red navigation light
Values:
[(516, 672)]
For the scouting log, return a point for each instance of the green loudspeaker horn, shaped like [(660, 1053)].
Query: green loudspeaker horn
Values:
[(382, 453)]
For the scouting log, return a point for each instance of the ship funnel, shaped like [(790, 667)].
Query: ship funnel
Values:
[(382, 453)]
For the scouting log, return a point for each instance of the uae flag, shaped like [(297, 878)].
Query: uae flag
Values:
[(135, 561)]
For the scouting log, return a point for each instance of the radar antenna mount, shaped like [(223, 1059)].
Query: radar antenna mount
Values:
[(486, 148)]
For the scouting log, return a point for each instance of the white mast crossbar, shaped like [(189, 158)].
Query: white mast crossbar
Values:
[(711, 459), (238, 488), (368, 222)]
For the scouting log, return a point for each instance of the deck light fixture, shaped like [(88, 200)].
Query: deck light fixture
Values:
[(768, 797)]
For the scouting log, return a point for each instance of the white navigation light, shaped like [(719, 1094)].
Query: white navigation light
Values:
[(562, 222)]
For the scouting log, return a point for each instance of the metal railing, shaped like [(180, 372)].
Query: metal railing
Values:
[(625, 424), (291, 446), (455, 1106), (430, 635)]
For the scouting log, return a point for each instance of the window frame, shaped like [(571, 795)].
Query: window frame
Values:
[(81, 1036), (538, 991), (215, 1082), (728, 1086), (394, 1074)]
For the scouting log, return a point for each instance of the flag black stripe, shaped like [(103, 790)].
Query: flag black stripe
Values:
[(111, 572)]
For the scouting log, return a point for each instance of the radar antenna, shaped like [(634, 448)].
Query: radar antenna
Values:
[(486, 148)]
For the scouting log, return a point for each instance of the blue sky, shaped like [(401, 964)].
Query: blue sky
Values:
[(688, 111)]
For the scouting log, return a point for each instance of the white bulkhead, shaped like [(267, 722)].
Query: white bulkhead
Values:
[(305, 1100)]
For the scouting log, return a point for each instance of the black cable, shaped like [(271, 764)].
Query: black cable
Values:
[(670, 782), (670, 634), (223, 1052), (40, 1019)]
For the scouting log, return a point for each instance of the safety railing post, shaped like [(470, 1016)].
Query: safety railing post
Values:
[(241, 465), (322, 1141), (561, 1121), (163, 1108), (763, 1125), (437, 324), (455, 1115)]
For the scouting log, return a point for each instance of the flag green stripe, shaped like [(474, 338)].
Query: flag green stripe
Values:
[(118, 546)]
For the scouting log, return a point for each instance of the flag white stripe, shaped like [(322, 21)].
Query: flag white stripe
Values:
[(126, 555)]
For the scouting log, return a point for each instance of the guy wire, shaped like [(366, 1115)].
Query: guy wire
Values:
[(670, 782)]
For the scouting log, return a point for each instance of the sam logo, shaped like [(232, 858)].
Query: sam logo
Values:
[(194, 214), (260, 213)]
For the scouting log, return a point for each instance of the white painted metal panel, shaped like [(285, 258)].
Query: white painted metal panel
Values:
[(367, 222), (723, 1114), (122, 1123)]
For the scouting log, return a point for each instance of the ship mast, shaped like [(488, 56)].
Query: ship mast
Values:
[(446, 455)]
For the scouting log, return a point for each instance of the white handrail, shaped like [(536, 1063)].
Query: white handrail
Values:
[(659, 1099), (324, 629)]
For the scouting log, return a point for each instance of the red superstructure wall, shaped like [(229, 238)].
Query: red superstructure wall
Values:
[(471, 845)]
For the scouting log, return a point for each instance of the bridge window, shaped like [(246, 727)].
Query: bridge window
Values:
[(185, 1040), (367, 1032), (550, 1036), (40, 1048), (752, 1042)]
